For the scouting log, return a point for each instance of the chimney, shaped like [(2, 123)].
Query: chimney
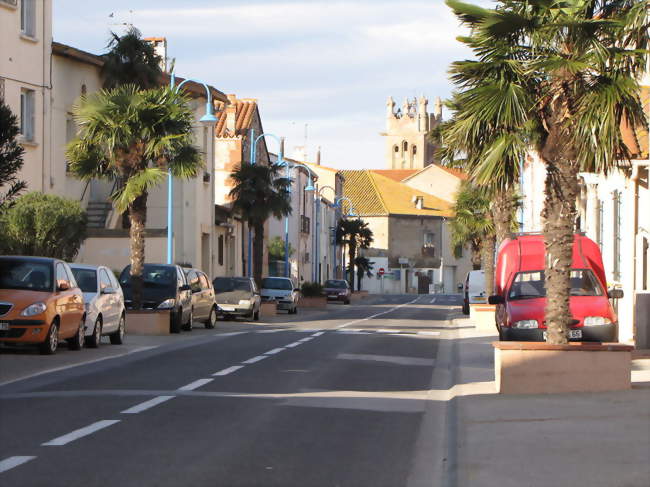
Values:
[(318, 156), (437, 111), (231, 114), (418, 201)]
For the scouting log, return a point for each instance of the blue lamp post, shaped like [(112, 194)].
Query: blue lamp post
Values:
[(254, 142), (309, 187), (208, 119)]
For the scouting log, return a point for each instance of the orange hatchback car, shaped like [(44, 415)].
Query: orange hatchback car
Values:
[(40, 303)]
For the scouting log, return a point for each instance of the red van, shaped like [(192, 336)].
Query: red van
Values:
[(520, 295)]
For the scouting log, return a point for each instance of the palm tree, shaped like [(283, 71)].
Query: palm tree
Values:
[(259, 193), (11, 158), (356, 235), (131, 60), (136, 136), (573, 70), (364, 268)]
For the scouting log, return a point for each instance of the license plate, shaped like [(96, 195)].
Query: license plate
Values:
[(4, 325), (572, 334), (227, 308)]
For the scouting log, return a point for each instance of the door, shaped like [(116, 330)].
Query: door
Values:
[(66, 303), (207, 295), (109, 304), (423, 284)]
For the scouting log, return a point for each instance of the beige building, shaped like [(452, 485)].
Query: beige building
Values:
[(26, 84), (407, 145)]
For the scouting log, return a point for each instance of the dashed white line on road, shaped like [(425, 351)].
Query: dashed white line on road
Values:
[(318, 334), (80, 433), (274, 351), (229, 370), (294, 344), (378, 314), (195, 385), (230, 334), (11, 462), (303, 340), (269, 331), (433, 300), (143, 406), (255, 359)]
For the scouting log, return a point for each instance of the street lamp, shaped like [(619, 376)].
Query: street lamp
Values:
[(208, 119), (254, 142), (309, 187)]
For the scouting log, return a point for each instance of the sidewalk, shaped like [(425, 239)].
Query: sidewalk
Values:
[(578, 439)]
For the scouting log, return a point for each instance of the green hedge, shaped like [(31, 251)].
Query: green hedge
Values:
[(311, 289)]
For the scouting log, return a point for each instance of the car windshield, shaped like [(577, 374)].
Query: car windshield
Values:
[(86, 279), (25, 274), (531, 284), (336, 284), (226, 285), (277, 283), (153, 276)]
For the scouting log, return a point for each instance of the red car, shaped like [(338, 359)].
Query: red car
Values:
[(520, 295)]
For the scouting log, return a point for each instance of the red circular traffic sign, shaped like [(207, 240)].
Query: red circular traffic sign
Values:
[(381, 271)]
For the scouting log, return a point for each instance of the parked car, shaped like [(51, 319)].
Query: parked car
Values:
[(474, 290), (40, 303), (283, 290), (203, 297), (104, 304), (237, 296), (164, 286), (520, 294), (337, 290)]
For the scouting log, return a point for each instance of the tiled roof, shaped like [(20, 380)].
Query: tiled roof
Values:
[(396, 174), (455, 172), (373, 194), (636, 138), (244, 111)]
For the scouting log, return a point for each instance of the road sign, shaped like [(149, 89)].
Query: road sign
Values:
[(381, 271)]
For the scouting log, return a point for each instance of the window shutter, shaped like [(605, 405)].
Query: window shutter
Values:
[(29, 98), (31, 17)]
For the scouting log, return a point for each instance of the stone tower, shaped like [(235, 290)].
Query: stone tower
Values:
[(407, 146)]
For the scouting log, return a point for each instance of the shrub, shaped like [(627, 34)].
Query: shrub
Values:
[(43, 225), (311, 289)]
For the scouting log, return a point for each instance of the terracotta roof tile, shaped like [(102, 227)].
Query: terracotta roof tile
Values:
[(375, 194), (396, 174), (244, 111)]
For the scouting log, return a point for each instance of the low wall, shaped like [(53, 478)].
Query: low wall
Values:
[(113, 250), (268, 309), (482, 315), (313, 302), (147, 322)]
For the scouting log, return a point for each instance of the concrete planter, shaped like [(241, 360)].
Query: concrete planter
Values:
[(319, 302), (539, 368), (358, 296), (268, 308), (146, 322), (482, 315)]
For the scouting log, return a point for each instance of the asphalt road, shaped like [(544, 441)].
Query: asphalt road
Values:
[(323, 399)]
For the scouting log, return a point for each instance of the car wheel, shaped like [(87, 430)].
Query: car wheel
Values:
[(188, 326), (77, 341), (175, 320), (212, 319), (256, 315), (347, 301), (95, 339), (117, 338), (48, 347)]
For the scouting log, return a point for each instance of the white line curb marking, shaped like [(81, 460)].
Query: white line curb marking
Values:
[(80, 433), (143, 406), (255, 359), (195, 385), (229, 370), (11, 462)]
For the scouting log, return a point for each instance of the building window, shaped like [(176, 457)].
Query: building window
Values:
[(27, 114), (2, 87), (617, 235), (28, 17), (428, 239), (405, 146), (220, 249), (415, 149), (11, 3), (395, 149)]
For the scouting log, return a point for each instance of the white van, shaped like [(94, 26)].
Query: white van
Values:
[(474, 291)]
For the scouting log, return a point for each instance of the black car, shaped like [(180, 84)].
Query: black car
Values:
[(164, 286)]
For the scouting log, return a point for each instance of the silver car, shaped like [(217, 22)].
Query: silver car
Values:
[(237, 296), (283, 290), (104, 302)]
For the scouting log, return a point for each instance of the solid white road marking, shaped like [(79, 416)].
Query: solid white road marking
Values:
[(391, 359), (431, 333), (229, 370), (143, 406), (11, 462), (195, 385), (274, 351), (80, 433), (294, 344), (231, 334), (269, 331), (387, 330), (378, 314), (255, 359)]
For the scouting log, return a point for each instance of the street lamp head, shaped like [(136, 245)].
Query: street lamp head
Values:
[(310, 186), (208, 118)]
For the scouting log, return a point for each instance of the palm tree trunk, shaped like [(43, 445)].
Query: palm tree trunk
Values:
[(502, 215), (559, 218), (487, 250), (258, 252), (138, 218), (352, 253), (476, 256)]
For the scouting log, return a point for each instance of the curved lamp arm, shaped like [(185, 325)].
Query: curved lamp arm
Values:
[(209, 109), (257, 139), (337, 203)]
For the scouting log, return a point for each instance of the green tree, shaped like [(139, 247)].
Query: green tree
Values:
[(43, 225), (131, 60), (364, 268), (135, 136), (572, 70), (11, 158), (356, 235), (259, 192), (276, 248)]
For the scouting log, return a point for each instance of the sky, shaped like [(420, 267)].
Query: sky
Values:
[(321, 70)]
